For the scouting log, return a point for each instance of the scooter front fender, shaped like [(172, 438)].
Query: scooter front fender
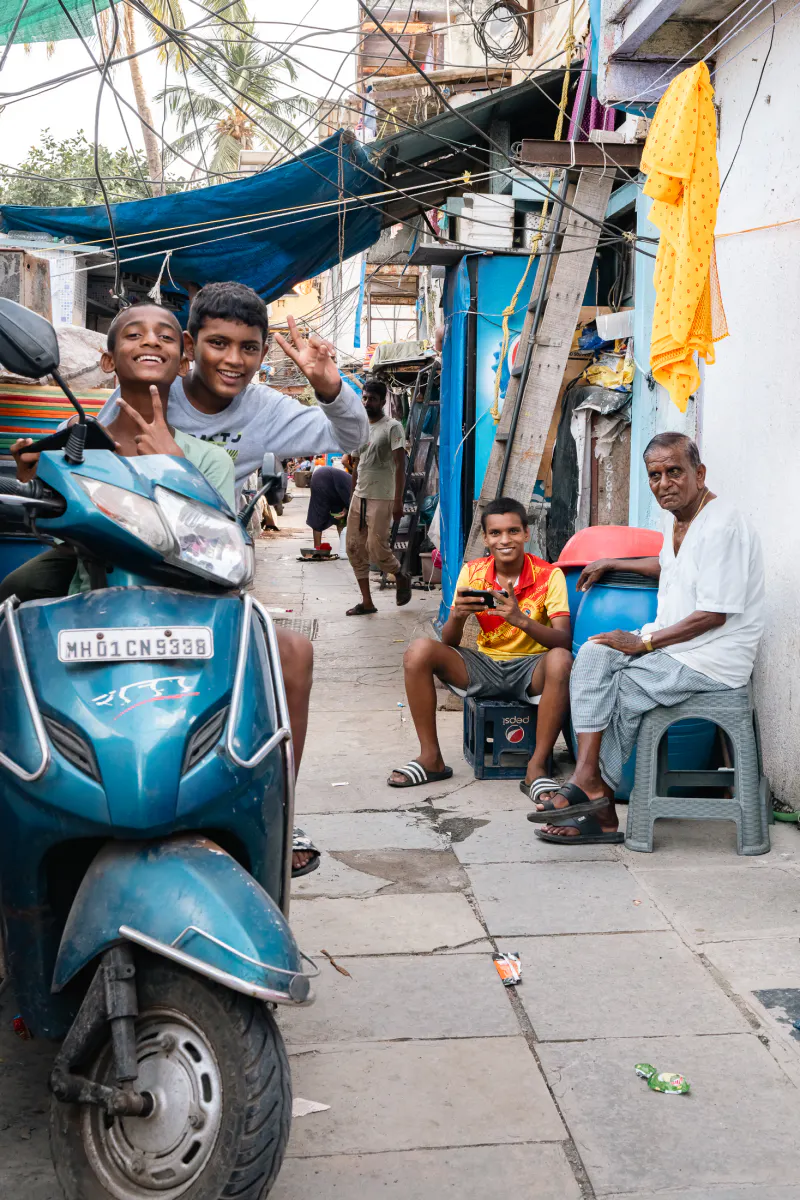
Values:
[(190, 901)]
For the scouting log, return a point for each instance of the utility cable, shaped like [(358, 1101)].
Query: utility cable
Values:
[(752, 42), (752, 102), (13, 33), (498, 149), (740, 26), (503, 153), (490, 140), (72, 76), (119, 287), (111, 87)]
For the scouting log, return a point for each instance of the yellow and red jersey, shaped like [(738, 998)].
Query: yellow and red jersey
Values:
[(541, 593)]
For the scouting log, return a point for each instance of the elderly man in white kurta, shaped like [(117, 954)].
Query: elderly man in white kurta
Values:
[(705, 638)]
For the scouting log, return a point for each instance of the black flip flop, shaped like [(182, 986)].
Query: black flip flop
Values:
[(579, 803), (402, 592), (360, 610), (591, 833), (416, 775)]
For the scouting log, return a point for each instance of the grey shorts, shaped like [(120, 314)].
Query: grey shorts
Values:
[(495, 679)]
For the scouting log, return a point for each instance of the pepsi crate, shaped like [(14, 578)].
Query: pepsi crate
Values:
[(499, 738)]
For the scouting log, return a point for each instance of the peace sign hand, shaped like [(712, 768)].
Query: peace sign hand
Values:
[(154, 437), (316, 358)]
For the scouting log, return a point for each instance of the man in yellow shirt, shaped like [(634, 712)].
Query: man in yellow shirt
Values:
[(523, 648)]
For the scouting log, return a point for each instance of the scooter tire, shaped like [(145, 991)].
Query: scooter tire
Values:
[(255, 1108)]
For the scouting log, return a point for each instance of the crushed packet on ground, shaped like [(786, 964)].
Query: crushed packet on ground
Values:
[(509, 968), (663, 1081)]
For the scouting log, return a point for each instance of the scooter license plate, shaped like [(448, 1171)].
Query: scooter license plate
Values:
[(144, 644)]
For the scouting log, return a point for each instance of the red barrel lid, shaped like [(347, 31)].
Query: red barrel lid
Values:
[(610, 541)]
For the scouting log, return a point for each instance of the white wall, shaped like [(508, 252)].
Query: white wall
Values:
[(750, 405), (652, 410)]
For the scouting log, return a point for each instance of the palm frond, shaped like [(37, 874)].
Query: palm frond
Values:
[(225, 158)]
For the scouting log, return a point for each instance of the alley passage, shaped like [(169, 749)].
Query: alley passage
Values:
[(440, 1082)]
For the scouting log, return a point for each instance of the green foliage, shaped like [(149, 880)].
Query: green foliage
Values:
[(233, 100), (62, 173)]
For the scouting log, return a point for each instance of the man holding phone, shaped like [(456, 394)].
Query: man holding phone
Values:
[(521, 605)]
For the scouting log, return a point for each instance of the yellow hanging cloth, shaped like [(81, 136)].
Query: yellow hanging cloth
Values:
[(680, 161)]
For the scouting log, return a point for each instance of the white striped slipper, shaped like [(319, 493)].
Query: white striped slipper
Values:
[(416, 775), (538, 788)]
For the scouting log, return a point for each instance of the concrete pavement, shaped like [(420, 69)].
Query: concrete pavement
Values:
[(440, 1082), (443, 1083)]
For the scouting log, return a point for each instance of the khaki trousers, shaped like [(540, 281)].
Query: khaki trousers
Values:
[(369, 524)]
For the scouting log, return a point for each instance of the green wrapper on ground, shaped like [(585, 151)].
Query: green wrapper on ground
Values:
[(663, 1081)]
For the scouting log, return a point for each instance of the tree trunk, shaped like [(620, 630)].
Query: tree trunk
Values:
[(154, 158)]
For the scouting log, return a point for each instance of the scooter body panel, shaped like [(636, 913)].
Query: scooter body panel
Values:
[(138, 719), (172, 890)]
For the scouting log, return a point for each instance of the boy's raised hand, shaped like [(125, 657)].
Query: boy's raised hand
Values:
[(154, 436), (316, 358)]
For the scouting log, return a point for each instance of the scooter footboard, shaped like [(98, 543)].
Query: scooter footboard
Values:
[(187, 900)]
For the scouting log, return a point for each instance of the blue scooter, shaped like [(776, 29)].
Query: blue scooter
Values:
[(146, 797)]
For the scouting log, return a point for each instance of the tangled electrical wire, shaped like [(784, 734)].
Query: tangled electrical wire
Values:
[(511, 41)]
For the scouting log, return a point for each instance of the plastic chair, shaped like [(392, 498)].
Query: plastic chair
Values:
[(750, 806)]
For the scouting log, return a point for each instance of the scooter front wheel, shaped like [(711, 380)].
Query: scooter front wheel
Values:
[(215, 1065)]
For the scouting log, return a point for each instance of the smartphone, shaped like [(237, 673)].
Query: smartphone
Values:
[(488, 598)]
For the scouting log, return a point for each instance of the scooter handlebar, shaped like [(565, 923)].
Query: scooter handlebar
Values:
[(44, 499), (32, 490)]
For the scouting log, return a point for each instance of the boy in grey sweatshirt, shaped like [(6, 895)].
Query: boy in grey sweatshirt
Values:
[(219, 402)]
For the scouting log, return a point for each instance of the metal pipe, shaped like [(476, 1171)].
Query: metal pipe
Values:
[(219, 976), (30, 699)]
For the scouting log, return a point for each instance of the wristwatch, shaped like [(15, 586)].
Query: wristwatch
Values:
[(647, 641)]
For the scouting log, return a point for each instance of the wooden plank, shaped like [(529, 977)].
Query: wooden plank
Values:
[(407, 28), (587, 154), (567, 286)]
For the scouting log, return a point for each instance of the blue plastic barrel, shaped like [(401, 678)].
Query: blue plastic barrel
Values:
[(572, 575), (621, 600), (626, 600)]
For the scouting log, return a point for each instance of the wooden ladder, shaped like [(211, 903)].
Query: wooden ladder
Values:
[(545, 343)]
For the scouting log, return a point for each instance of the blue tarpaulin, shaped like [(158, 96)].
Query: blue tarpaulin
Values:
[(269, 231)]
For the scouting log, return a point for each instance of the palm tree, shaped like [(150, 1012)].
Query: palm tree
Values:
[(233, 100), (165, 12), (155, 163), (155, 159)]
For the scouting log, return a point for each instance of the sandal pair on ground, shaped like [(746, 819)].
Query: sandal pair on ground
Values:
[(578, 813)]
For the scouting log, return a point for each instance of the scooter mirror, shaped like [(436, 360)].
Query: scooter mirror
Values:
[(270, 468), (28, 342)]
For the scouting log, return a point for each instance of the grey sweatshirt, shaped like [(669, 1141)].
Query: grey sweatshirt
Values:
[(260, 419)]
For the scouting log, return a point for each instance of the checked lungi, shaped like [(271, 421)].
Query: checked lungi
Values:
[(612, 691)]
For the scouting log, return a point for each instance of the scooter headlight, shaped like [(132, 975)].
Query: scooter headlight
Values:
[(137, 514), (207, 543)]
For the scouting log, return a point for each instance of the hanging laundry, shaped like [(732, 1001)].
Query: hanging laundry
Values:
[(680, 161)]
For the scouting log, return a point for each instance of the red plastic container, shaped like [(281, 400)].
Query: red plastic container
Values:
[(610, 541)]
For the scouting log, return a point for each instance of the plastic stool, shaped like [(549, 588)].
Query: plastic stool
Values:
[(751, 804), (495, 730)]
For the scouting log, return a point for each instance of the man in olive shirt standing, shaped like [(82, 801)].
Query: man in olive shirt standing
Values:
[(379, 484)]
